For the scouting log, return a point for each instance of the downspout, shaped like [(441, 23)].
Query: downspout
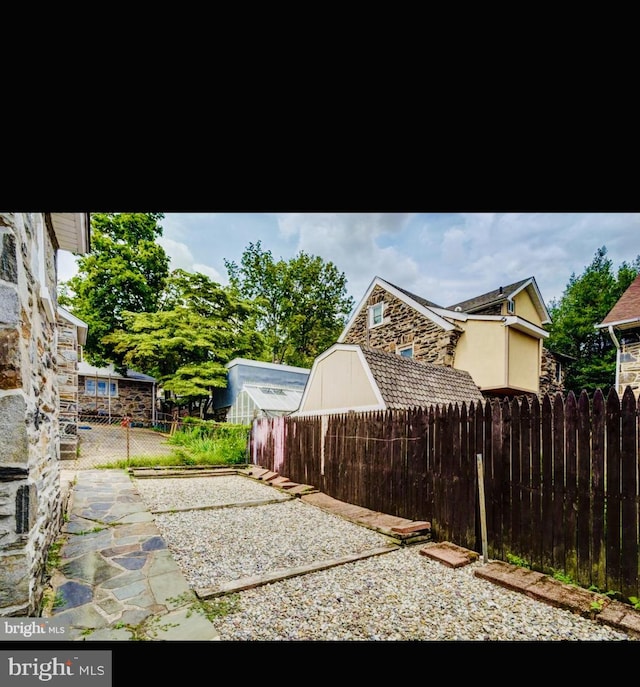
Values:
[(617, 345)]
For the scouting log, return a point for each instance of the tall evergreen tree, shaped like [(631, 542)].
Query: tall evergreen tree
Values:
[(585, 302)]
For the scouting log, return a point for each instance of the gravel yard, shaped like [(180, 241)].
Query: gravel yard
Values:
[(399, 595)]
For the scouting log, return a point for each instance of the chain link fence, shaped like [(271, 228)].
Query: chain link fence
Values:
[(103, 439)]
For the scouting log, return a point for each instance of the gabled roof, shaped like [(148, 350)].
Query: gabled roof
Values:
[(626, 312), (446, 317), (503, 293), (405, 383), (423, 306)]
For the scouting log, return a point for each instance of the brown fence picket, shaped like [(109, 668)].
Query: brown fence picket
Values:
[(537, 516), (571, 476), (516, 477), (598, 549), (583, 495), (629, 461), (612, 490), (558, 484), (547, 484), (525, 478)]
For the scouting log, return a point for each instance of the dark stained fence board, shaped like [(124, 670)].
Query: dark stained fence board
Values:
[(598, 548), (516, 477), (571, 486), (629, 461), (537, 515), (558, 484), (547, 485), (612, 490), (583, 528), (526, 520)]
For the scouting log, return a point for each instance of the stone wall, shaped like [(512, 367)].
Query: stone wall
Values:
[(134, 399), (30, 497), (629, 374), (403, 325), (548, 382)]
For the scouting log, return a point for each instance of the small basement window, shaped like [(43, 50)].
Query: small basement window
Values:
[(376, 314)]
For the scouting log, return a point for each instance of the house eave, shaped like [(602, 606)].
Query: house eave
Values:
[(72, 231)]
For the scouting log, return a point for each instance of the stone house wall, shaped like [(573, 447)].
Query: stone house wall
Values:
[(403, 325), (549, 384), (30, 495), (134, 399)]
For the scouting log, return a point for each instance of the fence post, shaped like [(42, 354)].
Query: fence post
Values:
[(483, 511), (126, 422)]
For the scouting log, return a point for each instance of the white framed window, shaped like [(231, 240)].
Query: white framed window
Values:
[(558, 371), (405, 351), (376, 314), (102, 386), (511, 307)]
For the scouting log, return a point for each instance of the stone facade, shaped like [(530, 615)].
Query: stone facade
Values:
[(552, 377), (135, 399), (629, 374), (402, 326), (30, 496)]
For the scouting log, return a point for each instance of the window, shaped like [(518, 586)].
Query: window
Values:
[(90, 387), (558, 371), (405, 351), (376, 314), (511, 307)]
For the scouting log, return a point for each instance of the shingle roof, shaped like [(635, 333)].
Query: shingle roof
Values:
[(495, 296), (408, 383), (628, 305), (418, 299)]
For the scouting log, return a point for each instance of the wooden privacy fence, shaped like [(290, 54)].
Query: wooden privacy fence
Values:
[(560, 475)]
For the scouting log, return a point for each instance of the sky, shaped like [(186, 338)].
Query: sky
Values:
[(443, 257)]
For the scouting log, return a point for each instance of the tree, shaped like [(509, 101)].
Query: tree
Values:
[(185, 345), (125, 271), (585, 303), (302, 304)]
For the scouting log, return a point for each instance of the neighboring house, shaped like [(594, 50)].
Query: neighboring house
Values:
[(258, 389), (103, 391), (496, 337), (72, 335), (623, 324), (31, 504), (348, 377)]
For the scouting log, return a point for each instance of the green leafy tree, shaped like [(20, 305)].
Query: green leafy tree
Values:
[(185, 345), (125, 271), (585, 303), (302, 303)]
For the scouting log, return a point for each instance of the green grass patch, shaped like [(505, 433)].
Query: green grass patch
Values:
[(198, 442)]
